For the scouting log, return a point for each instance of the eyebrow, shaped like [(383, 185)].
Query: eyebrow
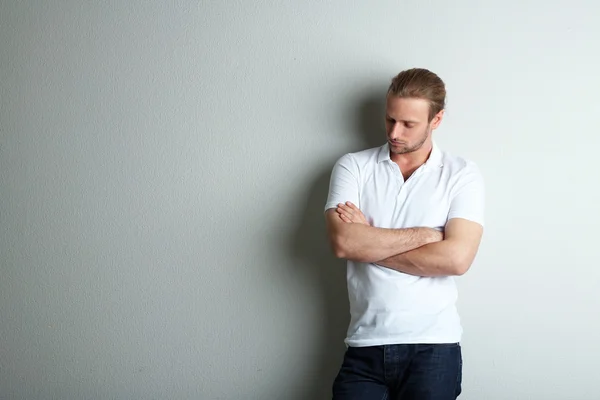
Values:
[(406, 121)]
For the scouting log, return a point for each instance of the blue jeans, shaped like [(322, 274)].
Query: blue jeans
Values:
[(400, 372)]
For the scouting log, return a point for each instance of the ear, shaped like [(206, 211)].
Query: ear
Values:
[(437, 120)]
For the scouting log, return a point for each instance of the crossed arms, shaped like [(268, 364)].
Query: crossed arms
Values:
[(416, 251)]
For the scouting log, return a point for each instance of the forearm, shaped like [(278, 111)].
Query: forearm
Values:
[(435, 259), (369, 244)]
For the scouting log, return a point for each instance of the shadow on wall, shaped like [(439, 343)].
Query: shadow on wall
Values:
[(328, 273)]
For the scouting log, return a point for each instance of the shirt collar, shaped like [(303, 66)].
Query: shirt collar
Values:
[(435, 157), (384, 153), (434, 160)]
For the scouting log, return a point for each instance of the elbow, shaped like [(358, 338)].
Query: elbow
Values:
[(338, 253), (338, 248), (460, 270), (460, 266), (344, 248)]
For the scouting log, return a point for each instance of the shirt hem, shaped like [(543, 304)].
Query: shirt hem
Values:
[(390, 341)]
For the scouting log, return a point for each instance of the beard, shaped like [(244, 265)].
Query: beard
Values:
[(409, 148)]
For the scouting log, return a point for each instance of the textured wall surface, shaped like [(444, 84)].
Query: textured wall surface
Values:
[(163, 168)]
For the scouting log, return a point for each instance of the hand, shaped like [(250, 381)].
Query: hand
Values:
[(351, 214)]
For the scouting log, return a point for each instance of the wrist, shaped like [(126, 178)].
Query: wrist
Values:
[(435, 235)]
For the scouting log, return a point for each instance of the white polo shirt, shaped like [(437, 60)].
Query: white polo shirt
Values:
[(387, 306)]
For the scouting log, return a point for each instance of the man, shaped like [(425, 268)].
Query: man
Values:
[(407, 217)]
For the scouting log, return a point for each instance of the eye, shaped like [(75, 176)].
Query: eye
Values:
[(388, 119), (409, 126)]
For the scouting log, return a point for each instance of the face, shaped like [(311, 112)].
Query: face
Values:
[(407, 124)]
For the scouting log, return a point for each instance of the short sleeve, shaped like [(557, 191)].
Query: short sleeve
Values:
[(344, 183), (468, 197)]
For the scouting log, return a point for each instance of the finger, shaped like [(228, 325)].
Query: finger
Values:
[(355, 211), (341, 210), (353, 206), (346, 210), (345, 218), (347, 214)]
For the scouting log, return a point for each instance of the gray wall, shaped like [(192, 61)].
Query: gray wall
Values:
[(163, 168)]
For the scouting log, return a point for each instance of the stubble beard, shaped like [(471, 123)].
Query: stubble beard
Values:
[(415, 147)]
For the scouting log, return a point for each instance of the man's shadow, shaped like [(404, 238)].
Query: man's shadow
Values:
[(328, 274)]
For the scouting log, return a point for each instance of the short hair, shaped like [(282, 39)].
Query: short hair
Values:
[(423, 84)]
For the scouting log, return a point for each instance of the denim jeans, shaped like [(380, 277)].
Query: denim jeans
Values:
[(400, 372)]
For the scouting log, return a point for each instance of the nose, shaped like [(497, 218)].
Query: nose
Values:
[(395, 131)]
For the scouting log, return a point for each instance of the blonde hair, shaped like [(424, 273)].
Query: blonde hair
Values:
[(423, 84)]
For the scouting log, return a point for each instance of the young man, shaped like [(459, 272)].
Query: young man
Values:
[(407, 217)]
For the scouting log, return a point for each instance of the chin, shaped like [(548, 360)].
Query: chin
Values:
[(402, 150)]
